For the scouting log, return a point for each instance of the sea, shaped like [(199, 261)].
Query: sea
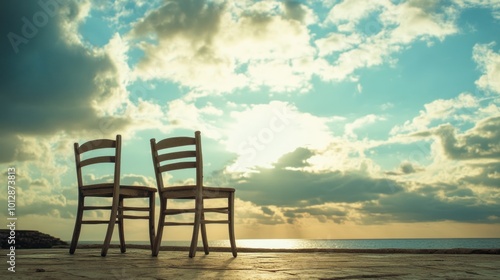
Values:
[(424, 243)]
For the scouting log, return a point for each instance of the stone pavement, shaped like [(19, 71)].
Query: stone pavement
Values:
[(137, 263)]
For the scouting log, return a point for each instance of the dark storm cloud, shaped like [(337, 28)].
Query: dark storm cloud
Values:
[(193, 19), (323, 214), (294, 10), (488, 176), (285, 187), (482, 141), (404, 169), (296, 158), (326, 195), (47, 84), (425, 205), (289, 187)]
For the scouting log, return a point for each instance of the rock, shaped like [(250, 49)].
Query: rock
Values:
[(29, 239)]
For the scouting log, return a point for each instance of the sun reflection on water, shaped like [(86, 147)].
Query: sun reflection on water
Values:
[(271, 243)]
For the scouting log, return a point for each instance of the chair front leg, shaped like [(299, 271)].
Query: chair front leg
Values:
[(78, 224), (161, 224), (111, 226), (204, 234)]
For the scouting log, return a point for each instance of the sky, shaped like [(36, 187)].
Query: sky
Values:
[(331, 119)]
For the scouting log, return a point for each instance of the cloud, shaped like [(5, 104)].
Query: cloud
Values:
[(216, 47), (480, 142), (337, 42), (488, 62), (201, 118), (260, 134), (364, 199), (53, 83), (251, 214), (297, 158), (267, 186), (368, 34), (405, 168), (493, 5), (485, 175), (295, 10), (442, 110), (359, 123), (426, 206), (324, 213), (348, 13), (420, 20), (228, 47)]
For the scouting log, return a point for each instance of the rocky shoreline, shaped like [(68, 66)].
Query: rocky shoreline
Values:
[(28, 239)]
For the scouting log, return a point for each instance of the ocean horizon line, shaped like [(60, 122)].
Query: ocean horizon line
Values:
[(378, 243)]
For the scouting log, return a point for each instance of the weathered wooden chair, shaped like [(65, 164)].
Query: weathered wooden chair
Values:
[(114, 189), (179, 153)]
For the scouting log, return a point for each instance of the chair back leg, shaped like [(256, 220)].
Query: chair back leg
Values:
[(121, 226), (152, 219)]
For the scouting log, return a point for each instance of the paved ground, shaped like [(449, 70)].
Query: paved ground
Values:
[(138, 264)]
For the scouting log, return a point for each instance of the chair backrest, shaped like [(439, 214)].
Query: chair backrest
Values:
[(93, 159), (176, 153)]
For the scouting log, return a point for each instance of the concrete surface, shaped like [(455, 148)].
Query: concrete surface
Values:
[(137, 263)]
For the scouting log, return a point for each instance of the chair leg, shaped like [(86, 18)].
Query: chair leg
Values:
[(78, 225), (196, 226), (161, 224), (231, 224), (111, 225), (121, 226), (204, 234), (152, 219)]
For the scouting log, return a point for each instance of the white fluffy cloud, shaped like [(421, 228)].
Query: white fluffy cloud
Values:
[(387, 28), (488, 62), (359, 123), (442, 110)]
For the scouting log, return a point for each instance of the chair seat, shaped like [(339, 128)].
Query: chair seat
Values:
[(106, 190), (189, 192)]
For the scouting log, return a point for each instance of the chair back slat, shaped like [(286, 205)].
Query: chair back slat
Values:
[(94, 160), (96, 144), (176, 155), (174, 142), (177, 166)]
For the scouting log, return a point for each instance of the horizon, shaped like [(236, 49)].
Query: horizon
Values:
[(332, 119)]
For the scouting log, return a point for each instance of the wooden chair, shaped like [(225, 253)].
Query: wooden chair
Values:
[(117, 192), (178, 153)]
